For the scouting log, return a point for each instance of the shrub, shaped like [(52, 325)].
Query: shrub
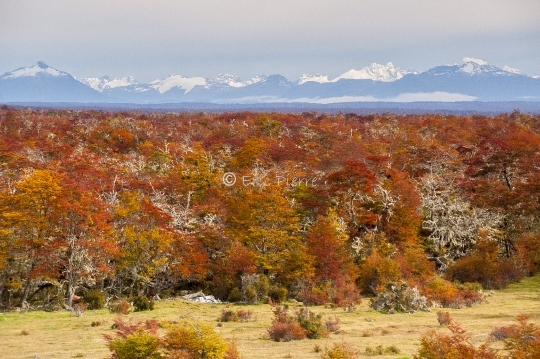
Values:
[(376, 272), (285, 332), (501, 333), (95, 299), (250, 295), (332, 324), (255, 287), (443, 318), (378, 350), (134, 341), (193, 340), (239, 316), (339, 351), (285, 327), (434, 345), (142, 303), (524, 339), (343, 293), (137, 345), (244, 315), (232, 352), (277, 294), (482, 266), (392, 349), (400, 298), (311, 322), (120, 306), (235, 295), (228, 316)]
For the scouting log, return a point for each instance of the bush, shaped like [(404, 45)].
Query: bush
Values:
[(134, 341), (501, 333), (228, 316), (232, 352), (339, 351), (457, 345), (194, 340), (400, 298), (244, 315), (120, 306), (250, 295), (343, 293), (483, 267), (142, 303), (285, 332), (332, 325), (255, 288), (378, 350), (277, 294), (447, 295), (443, 318), (239, 316), (285, 327), (376, 272), (139, 345), (235, 295), (312, 323), (95, 299)]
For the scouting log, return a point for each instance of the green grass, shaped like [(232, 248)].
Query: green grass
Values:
[(60, 335)]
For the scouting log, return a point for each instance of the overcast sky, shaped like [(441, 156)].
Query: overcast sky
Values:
[(152, 39)]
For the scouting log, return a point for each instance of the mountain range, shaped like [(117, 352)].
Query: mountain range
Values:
[(471, 80)]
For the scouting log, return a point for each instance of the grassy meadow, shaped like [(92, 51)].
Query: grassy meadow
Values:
[(45, 335)]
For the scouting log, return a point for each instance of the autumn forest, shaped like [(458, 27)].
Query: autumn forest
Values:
[(314, 207)]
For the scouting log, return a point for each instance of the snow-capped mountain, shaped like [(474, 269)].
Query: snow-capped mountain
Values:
[(43, 83), (39, 69), (225, 80), (375, 72), (177, 82), (473, 79), (313, 78), (104, 83)]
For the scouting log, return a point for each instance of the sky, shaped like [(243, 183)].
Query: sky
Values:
[(152, 39)]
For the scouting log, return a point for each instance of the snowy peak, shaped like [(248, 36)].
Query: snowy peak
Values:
[(104, 83), (177, 81), (375, 72), (313, 78), (472, 66), (224, 80), (475, 61), (40, 69)]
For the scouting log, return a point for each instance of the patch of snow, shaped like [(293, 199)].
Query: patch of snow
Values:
[(234, 81), (313, 78), (513, 71), (475, 61), (121, 82), (185, 83), (104, 83), (97, 84), (375, 72), (39, 69), (468, 68)]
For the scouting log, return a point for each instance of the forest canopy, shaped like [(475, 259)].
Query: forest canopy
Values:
[(318, 206)]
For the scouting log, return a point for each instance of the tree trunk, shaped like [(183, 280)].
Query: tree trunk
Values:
[(25, 293)]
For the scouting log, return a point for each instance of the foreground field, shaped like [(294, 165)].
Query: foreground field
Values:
[(60, 335)]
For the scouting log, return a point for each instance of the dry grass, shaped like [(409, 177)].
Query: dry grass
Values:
[(60, 335)]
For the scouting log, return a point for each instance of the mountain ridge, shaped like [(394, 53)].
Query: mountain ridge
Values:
[(472, 80)]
